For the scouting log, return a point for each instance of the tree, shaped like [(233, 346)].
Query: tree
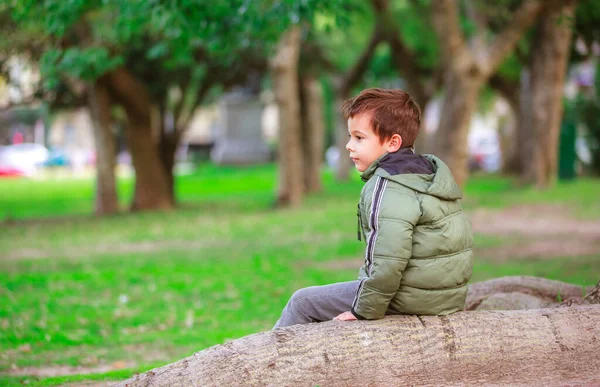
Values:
[(100, 105), (157, 50), (547, 346), (467, 70), (513, 82), (295, 71), (313, 131), (286, 87), (549, 57), (170, 54)]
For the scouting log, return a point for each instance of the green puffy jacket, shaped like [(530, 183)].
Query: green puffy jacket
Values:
[(418, 256)]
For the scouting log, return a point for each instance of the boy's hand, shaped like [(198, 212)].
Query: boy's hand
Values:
[(346, 316)]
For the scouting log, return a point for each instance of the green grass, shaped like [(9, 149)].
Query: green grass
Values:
[(490, 191), (152, 288)]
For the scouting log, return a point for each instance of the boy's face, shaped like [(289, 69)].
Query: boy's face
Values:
[(364, 145)]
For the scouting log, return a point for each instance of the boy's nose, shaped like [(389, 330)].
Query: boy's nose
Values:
[(348, 147)]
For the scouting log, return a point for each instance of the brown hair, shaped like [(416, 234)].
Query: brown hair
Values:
[(392, 111)]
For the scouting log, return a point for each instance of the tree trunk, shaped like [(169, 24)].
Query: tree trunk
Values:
[(549, 62), (556, 346), (525, 137), (460, 102), (467, 70), (168, 144), (313, 133), (168, 147), (285, 85), (151, 181), (106, 201)]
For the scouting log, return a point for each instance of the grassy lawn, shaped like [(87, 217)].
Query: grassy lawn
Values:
[(142, 290)]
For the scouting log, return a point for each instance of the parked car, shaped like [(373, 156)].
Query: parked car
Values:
[(25, 157), (57, 158), (8, 171)]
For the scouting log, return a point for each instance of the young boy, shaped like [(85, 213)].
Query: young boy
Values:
[(418, 256)]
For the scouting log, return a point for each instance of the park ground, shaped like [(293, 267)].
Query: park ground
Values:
[(86, 300)]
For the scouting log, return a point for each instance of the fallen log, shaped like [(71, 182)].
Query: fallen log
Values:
[(555, 346)]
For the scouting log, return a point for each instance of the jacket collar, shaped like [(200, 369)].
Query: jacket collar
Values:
[(401, 156)]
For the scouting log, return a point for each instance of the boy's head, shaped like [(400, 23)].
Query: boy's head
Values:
[(380, 121)]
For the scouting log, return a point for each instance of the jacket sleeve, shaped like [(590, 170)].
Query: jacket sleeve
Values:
[(392, 215)]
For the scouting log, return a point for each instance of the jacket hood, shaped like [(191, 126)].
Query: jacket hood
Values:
[(422, 173)]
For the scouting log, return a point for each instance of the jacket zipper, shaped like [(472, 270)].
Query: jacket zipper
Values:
[(358, 223)]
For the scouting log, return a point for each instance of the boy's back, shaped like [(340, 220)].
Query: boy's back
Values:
[(418, 255)]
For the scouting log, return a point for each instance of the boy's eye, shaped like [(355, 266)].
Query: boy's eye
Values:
[(359, 138)]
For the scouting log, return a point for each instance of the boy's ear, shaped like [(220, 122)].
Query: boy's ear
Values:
[(395, 143)]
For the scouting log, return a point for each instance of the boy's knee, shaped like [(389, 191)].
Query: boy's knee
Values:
[(302, 295)]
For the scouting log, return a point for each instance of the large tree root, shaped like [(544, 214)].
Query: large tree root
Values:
[(521, 292), (556, 346)]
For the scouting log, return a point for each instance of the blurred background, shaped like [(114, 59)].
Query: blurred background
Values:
[(171, 171)]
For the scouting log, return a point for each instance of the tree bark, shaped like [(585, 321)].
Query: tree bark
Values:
[(151, 181), (525, 137), (521, 292), (466, 73), (169, 138), (556, 346), (313, 133), (550, 54), (286, 89), (106, 201), (167, 149), (460, 102)]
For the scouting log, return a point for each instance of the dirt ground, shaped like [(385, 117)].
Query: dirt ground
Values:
[(539, 231)]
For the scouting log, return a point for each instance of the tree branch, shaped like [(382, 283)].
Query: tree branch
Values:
[(403, 57), (445, 19), (179, 106), (129, 91), (505, 42), (478, 40), (354, 74)]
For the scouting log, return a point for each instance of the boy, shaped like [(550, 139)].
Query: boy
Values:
[(418, 256)]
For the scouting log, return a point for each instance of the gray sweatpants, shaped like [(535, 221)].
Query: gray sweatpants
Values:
[(318, 303)]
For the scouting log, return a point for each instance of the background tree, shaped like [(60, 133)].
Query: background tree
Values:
[(549, 56), (158, 63), (467, 70), (286, 87)]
